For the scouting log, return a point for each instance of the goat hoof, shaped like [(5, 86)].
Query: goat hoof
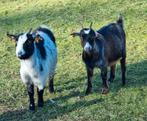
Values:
[(123, 84), (51, 90), (105, 90), (40, 104), (32, 107), (88, 91), (110, 80)]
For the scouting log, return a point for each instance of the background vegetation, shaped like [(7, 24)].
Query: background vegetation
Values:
[(127, 103)]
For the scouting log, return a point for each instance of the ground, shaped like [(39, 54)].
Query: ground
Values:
[(128, 103)]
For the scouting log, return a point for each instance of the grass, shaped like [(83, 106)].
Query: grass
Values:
[(127, 103)]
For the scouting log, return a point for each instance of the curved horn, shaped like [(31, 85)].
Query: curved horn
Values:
[(91, 25), (30, 30)]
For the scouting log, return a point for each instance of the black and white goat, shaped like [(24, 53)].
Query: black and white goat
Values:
[(102, 49), (38, 57)]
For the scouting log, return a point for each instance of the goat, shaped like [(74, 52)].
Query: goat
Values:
[(102, 48), (37, 53)]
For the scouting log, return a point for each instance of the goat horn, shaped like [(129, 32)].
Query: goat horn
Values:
[(91, 25), (81, 25), (30, 30)]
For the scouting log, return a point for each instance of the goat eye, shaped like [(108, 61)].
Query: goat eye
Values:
[(83, 36), (29, 41)]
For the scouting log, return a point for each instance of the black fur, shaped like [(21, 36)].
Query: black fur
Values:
[(41, 43), (40, 97), (51, 85), (110, 44), (48, 32), (28, 47), (16, 38), (88, 37), (40, 47), (93, 60), (41, 68), (89, 81), (30, 89)]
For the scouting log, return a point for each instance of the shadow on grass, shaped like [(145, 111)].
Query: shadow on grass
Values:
[(70, 84), (48, 112), (136, 77), (58, 15)]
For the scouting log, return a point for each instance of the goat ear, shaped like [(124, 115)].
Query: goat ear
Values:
[(38, 38), (75, 34), (97, 34), (12, 37), (90, 25)]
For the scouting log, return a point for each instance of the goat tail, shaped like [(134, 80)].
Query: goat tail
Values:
[(120, 21)]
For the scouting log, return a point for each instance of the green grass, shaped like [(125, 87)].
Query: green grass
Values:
[(127, 103)]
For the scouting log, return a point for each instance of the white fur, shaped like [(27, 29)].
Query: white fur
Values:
[(87, 47), (30, 68), (19, 47), (87, 31)]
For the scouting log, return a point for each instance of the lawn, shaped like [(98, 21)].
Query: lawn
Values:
[(128, 103)]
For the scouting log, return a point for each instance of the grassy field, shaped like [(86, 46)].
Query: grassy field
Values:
[(127, 103)]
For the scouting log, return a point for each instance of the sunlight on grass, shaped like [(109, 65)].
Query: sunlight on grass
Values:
[(63, 17)]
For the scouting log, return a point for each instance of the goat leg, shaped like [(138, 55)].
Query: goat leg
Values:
[(30, 89), (123, 70), (89, 84), (112, 73), (51, 85), (105, 88), (40, 97)]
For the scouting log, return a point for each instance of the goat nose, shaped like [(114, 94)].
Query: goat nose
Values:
[(87, 47), (20, 54)]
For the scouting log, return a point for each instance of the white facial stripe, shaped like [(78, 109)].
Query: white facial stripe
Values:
[(21, 40), (87, 46), (87, 31)]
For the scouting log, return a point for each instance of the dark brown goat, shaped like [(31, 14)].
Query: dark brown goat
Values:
[(102, 49)]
